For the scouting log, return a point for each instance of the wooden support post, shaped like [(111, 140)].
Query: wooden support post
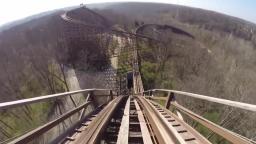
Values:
[(170, 98), (88, 98), (151, 93), (111, 94)]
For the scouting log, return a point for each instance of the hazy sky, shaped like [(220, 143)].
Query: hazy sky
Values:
[(11, 10)]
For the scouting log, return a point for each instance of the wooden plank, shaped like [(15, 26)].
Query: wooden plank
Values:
[(143, 125), (124, 128)]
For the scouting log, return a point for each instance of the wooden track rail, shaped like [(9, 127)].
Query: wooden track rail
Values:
[(134, 118), (94, 131), (171, 101), (46, 127), (169, 128), (124, 128), (156, 124)]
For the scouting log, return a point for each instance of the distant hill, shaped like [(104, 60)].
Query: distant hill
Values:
[(164, 13), (220, 61), (31, 18)]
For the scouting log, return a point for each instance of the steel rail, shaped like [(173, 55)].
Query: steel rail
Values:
[(236, 104), (22, 102), (42, 129)]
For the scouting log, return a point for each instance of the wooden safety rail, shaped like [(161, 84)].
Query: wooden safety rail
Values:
[(227, 134)]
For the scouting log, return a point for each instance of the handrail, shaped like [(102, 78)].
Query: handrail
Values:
[(42, 129), (225, 133), (16, 103), (236, 104)]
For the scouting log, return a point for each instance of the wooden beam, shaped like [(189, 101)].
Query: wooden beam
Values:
[(143, 125), (170, 97), (124, 128)]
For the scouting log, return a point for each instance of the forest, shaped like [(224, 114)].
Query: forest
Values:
[(219, 60)]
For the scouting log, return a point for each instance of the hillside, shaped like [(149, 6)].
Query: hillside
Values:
[(220, 61), (218, 58), (167, 13), (36, 58)]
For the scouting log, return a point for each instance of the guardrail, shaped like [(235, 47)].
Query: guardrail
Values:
[(46, 127), (225, 133), (236, 104), (22, 102)]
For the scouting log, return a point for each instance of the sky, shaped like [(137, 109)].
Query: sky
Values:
[(11, 10)]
